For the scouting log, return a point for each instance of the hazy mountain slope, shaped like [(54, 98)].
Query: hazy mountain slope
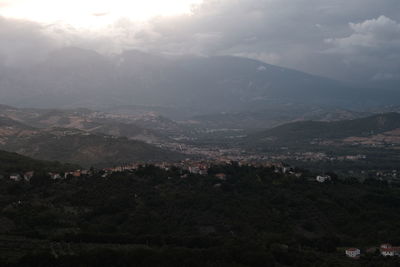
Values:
[(87, 149), (274, 116), (68, 77), (75, 146), (306, 131), (82, 119), (229, 84), (94, 122), (74, 77)]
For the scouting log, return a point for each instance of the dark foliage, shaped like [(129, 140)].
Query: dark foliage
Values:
[(151, 217)]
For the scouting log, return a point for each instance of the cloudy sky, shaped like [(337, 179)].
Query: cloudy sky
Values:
[(344, 39)]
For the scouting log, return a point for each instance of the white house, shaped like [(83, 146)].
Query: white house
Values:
[(15, 177), (221, 176), (353, 252), (388, 250), (323, 178), (55, 176), (194, 170), (28, 175)]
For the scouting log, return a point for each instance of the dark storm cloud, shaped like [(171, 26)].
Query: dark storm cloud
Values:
[(356, 39), (318, 36)]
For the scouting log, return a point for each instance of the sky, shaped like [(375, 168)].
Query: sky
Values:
[(354, 40)]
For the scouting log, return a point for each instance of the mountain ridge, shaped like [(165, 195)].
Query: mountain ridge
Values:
[(84, 78)]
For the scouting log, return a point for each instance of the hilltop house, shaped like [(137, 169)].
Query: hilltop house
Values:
[(323, 178), (353, 253), (221, 176), (55, 176), (198, 169), (389, 250), (28, 175), (15, 177)]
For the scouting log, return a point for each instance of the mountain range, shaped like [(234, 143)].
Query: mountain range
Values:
[(74, 77)]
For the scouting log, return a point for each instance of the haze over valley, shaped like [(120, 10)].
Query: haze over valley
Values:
[(200, 133)]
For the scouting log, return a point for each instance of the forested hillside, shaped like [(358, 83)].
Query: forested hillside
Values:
[(152, 217), (15, 163)]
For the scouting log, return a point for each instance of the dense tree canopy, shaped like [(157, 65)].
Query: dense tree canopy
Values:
[(152, 217)]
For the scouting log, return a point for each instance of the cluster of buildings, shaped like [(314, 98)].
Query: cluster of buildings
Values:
[(27, 176), (192, 167), (187, 167), (198, 167), (316, 156), (386, 250), (388, 175), (19, 177)]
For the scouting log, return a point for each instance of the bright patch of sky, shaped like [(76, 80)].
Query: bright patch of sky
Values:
[(93, 13)]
